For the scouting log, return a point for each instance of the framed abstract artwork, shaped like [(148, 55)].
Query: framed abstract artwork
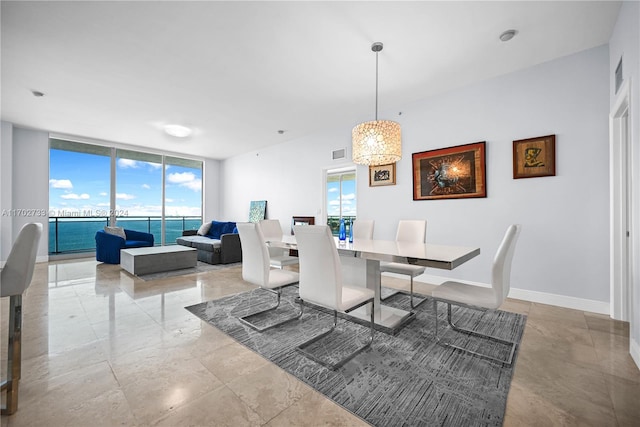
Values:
[(382, 175), (534, 157), (257, 210), (450, 173)]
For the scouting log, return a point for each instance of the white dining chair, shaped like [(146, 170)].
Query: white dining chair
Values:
[(15, 279), (256, 269), (278, 257), (480, 298), (413, 231), (321, 284), (363, 229)]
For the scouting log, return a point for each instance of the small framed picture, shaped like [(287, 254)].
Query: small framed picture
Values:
[(534, 157), (382, 175)]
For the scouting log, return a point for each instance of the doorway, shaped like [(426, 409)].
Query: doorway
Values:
[(622, 202)]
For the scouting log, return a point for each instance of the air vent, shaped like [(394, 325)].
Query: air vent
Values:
[(618, 75), (339, 154)]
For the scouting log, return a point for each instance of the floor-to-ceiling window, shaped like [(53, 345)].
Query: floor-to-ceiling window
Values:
[(79, 189), (138, 204), (92, 186), (183, 196), (341, 198)]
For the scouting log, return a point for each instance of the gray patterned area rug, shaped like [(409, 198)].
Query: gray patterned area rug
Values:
[(200, 267), (407, 379)]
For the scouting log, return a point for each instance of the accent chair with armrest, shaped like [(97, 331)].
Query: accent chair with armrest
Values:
[(15, 278), (108, 245), (480, 298)]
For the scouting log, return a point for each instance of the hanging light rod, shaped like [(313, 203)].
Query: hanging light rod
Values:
[(377, 47), (377, 142)]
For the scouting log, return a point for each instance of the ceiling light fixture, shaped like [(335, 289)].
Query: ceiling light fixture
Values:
[(378, 142), (508, 35), (37, 93), (178, 131)]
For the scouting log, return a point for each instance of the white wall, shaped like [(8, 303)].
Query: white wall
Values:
[(6, 157), (211, 190), (625, 43), (288, 176), (31, 182), (564, 244)]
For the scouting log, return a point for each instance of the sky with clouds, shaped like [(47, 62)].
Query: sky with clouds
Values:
[(348, 197), (80, 182)]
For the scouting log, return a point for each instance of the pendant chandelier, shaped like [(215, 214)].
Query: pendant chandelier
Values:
[(378, 142)]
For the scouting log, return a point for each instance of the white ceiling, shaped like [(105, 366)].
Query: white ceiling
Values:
[(237, 72)]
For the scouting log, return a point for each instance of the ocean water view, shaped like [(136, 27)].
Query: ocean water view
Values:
[(77, 234)]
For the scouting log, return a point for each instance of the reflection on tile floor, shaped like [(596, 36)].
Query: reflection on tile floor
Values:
[(101, 347)]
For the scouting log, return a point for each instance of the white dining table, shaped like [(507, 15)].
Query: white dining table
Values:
[(361, 267)]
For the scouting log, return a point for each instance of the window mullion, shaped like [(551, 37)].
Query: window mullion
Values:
[(112, 196)]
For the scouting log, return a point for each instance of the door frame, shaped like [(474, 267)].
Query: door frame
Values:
[(622, 194)]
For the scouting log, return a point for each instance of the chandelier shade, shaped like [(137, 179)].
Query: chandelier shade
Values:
[(376, 143)]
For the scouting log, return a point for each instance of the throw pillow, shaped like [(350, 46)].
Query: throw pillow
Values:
[(116, 231), (204, 229), (216, 229), (228, 228)]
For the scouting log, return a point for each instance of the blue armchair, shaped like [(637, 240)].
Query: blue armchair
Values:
[(108, 245)]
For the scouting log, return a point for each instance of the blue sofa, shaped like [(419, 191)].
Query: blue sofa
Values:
[(108, 245)]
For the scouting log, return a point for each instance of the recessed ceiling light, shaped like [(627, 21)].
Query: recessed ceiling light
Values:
[(178, 131), (281, 131), (37, 93), (508, 35)]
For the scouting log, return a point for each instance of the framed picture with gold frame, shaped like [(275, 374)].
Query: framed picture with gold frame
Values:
[(534, 157), (382, 175), (450, 173)]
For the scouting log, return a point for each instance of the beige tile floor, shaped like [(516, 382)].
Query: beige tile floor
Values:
[(103, 348)]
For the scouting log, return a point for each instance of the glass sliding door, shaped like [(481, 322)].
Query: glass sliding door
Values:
[(183, 196), (341, 199), (79, 187), (138, 194)]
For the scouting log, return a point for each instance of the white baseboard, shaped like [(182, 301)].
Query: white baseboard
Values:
[(582, 304), (600, 307), (634, 349)]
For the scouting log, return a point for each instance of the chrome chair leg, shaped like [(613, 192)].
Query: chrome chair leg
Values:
[(14, 361), (278, 292), (456, 328), (301, 348), (411, 292), (413, 305)]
